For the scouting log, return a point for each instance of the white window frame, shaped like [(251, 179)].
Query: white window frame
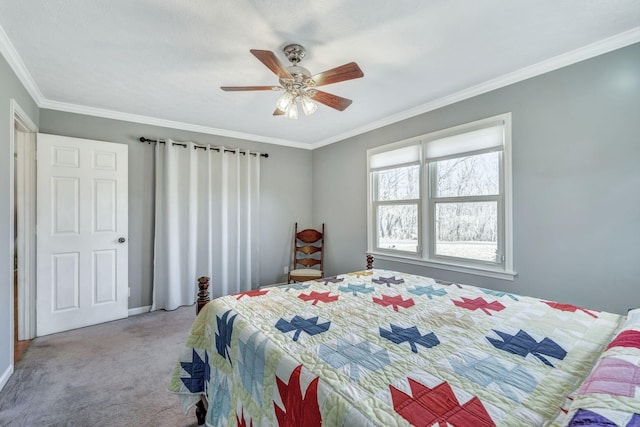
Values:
[(397, 202), (425, 255)]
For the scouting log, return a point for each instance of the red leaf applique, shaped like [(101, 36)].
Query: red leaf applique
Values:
[(395, 302), (627, 338), (568, 307), (479, 303), (318, 296), (438, 405), (300, 411), (252, 293), (241, 421)]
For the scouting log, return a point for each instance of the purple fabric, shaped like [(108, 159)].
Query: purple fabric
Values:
[(635, 421), (585, 417)]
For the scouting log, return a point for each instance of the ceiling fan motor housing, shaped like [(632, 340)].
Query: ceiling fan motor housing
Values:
[(301, 79), (301, 76), (294, 53)]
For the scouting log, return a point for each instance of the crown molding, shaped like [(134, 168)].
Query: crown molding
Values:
[(592, 50), (15, 62), (17, 65), (601, 47), (137, 118)]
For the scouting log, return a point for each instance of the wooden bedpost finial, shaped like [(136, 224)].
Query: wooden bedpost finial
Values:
[(369, 262), (203, 293)]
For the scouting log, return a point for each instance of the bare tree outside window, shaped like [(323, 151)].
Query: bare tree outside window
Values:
[(467, 228), (468, 176), (399, 183), (398, 222), (398, 227), (444, 199)]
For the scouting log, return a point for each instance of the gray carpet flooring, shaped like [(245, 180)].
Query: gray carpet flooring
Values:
[(114, 374)]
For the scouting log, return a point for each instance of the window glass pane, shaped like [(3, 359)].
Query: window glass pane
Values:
[(398, 184), (397, 227), (468, 176), (467, 230)]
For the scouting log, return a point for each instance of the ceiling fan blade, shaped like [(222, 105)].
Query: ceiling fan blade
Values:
[(239, 88), (330, 100), (278, 112), (339, 74), (269, 59)]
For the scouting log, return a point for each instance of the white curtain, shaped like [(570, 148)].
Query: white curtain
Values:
[(206, 222)]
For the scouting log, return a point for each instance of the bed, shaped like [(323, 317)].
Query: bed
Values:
[(385, 348)]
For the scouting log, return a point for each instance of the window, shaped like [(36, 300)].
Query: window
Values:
[(397, 208), (444, 199)]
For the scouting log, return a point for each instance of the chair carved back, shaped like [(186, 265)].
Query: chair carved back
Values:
[(308, 248)]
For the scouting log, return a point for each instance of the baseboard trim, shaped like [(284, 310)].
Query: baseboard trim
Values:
[(139, 310), (5, 377)]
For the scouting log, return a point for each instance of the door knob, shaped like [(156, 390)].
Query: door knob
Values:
[(122, 240)]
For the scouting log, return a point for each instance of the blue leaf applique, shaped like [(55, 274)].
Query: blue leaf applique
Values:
[(298, 324), (490, 370), (219, 398), (522, 344), (355, 356), (356, 289), (412, 335), (223, 336), (297, 286), (251, 365), (429, 291), (499, 294), (199, 372)]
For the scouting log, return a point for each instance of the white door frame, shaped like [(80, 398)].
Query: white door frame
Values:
[(24, 149)]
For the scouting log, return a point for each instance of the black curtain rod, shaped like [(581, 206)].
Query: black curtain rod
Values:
[(143, 139)]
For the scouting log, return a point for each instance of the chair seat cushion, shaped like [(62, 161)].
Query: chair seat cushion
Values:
[(306, 272)]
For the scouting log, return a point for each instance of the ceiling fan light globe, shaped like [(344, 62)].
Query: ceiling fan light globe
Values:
[(292, 111), (308, 106), (285, 100)]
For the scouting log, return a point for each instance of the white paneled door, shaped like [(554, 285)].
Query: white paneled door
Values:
[(82, 233)]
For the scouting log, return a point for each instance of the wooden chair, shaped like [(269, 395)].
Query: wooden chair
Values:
[(308, 251)]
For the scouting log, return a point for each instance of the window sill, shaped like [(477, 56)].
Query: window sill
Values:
[(459, 268)]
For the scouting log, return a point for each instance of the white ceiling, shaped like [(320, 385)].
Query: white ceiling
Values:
[(163, 61)]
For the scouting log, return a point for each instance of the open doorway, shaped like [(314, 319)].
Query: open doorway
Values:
[(23, 144)]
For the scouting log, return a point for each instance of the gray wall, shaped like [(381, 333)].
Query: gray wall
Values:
[(283, 199), (576, 183), (576, 146), (10, 87)]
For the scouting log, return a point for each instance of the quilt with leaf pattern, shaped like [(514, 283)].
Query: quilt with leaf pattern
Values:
[(383, 348)]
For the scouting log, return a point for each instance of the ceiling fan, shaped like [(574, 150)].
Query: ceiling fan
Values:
[(299, 85)]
